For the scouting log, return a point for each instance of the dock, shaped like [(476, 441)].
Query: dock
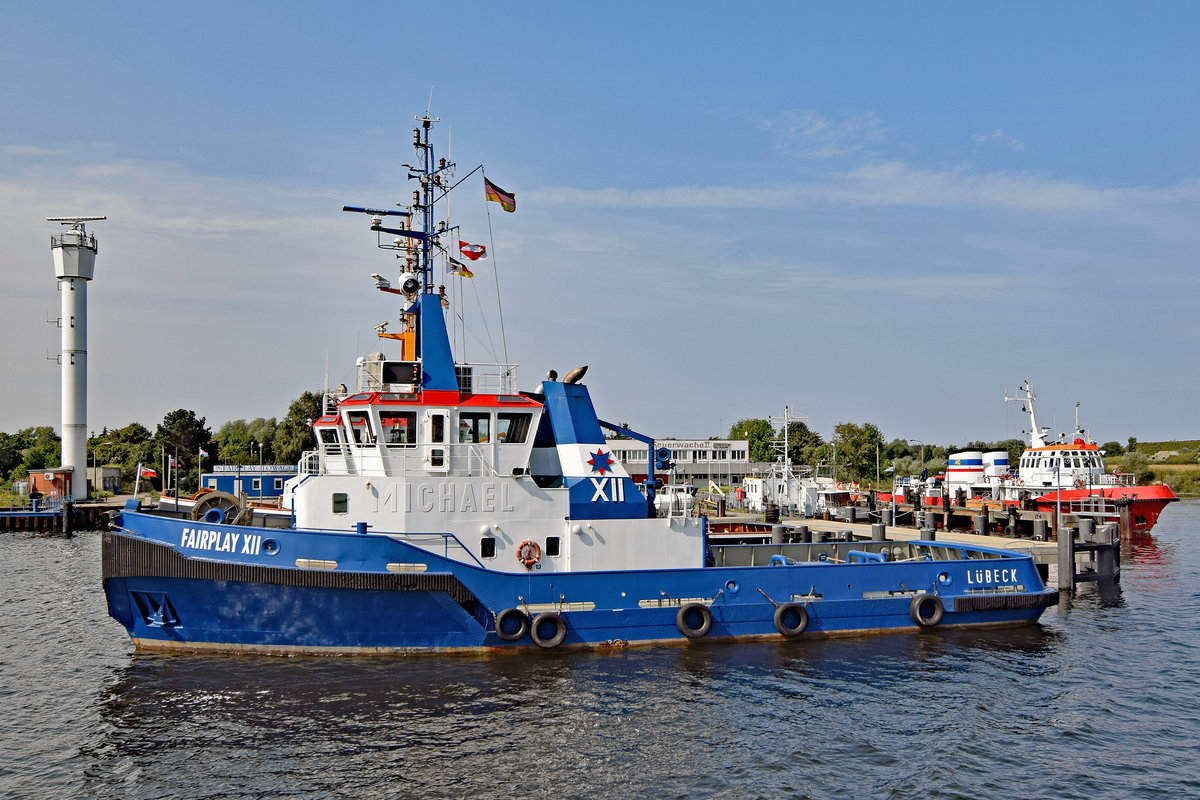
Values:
[(1093, 550), (63, 517)]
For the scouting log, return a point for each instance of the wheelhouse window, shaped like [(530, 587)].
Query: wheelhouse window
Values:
[(512, 428), (360, 426), (474, 427), (398, 427), (328, 435)]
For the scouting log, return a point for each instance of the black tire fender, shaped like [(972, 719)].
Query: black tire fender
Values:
[(560, 629), (502, 624), (926, 610), (683, 622), (784, 612)]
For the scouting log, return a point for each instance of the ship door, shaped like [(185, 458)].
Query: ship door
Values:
[(437, 437)]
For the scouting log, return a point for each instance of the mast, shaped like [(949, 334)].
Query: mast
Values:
[(1037, 436), (424, 297)]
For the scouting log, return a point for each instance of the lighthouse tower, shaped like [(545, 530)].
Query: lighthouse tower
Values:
[(74, 263)]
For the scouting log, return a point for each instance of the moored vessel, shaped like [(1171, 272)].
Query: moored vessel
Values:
[(442, 509), (1065, 476)]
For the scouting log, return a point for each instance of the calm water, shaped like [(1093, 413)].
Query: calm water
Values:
[(1101, 700)]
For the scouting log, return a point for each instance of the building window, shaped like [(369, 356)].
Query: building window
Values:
[(341, 503), (212, 483), (256, 484), (279, 484)]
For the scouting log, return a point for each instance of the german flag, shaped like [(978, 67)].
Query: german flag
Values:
[(507, 200)]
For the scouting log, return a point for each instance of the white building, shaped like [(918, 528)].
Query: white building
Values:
[(724, 461)]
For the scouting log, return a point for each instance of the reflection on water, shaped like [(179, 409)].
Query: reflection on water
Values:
[(1093, 702)]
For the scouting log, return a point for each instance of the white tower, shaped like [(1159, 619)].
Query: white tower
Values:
[(74, 263)]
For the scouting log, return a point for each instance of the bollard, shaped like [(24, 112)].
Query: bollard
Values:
[(776, 534), (805, 534), (1066, 559), (68, 516), (928, 534), (877, 532), (980, 528), (888, 519), (1108, 563), (1039, 530)]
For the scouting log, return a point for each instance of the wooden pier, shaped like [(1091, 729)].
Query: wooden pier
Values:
[(65, 518)]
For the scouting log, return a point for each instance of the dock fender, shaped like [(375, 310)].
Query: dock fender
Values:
[(548, 622), (791, 619), (507, 619), (694, 620), (926, 610)]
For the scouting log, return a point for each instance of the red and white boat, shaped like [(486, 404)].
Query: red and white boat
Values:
[(1067, 475)]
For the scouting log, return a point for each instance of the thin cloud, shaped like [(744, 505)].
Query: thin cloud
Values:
[(1001, 138), (28, 151), (807, 134)]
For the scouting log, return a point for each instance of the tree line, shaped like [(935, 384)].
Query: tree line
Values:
[(180, 436), (860, 452)]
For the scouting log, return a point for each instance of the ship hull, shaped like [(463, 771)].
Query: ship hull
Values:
[(262, 603)]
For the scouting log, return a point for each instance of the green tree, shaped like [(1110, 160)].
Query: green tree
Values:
[(858, 447), (1137, 463), (1112, 448), (759, 432), (803, 443), (294, 434), (182, 434), (40, 448)]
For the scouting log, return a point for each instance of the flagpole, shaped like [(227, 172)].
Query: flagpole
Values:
[(137, 481)]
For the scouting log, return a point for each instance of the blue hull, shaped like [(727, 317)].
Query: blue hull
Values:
[(259, 601)]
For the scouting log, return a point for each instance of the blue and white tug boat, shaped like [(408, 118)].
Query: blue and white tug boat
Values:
[(444, 510)]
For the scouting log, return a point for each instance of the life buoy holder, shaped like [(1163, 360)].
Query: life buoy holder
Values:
[(687, 615), (529, 553), (791, 619), (504, 623), (926, 610), (558, 631)]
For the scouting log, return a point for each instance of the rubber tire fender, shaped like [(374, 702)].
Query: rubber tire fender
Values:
[(706, 620), (503, 616), (560, 629), (791, 631), (917, 609)]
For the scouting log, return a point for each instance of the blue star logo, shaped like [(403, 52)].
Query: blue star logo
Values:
[(600, 462)]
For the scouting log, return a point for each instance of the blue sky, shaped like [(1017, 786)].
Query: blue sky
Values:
[(885, 212)]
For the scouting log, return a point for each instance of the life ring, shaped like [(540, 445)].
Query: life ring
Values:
[(504, 624), (528, 553), (841, 486), (683, 620), (791, 619), (548, 618), (926, 610), (1079, 483)]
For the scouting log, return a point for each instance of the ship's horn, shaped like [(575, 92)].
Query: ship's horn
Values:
[(575, 375)]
